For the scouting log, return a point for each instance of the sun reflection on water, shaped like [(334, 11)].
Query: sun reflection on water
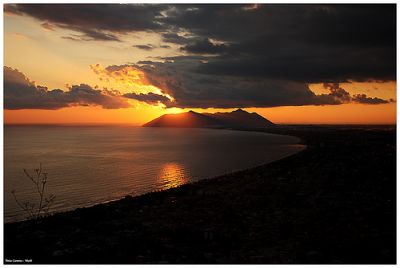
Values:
[(172, 175)]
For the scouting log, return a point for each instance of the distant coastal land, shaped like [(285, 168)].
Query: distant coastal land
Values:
[(333, 203), (236, 119)]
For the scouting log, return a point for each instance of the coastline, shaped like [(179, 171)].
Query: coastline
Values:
[(282, 212), (93, 194)]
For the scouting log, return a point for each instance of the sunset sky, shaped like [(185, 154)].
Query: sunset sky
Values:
[(129, 63)]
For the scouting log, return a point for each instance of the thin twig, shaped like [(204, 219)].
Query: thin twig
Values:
[(40, 185), (25, 208)]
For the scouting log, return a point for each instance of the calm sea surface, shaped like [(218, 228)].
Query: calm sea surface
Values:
[(88, 165)]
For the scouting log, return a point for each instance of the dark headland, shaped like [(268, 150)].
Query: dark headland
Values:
[(332, 203), (236, 119)]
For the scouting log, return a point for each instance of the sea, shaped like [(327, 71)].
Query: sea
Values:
[(87, 165)]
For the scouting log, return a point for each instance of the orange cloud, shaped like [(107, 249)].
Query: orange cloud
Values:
[(126, 75), (131, 81)]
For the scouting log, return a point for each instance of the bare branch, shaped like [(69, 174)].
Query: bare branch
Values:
[(44, 203)]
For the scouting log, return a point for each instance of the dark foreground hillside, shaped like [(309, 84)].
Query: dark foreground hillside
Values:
[(331, 203)]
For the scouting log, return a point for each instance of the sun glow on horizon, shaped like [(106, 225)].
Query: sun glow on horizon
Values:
[(58, 62)]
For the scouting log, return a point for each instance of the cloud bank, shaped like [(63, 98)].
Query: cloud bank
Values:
[(189, 89), (239, 55), (21, 93), (303, 43)]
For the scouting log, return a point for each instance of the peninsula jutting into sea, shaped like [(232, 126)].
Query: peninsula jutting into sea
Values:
[(132, 161), (236, 119), (243, 133), (334, 202)]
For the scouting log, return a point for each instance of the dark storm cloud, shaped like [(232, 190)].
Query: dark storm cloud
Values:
[(149, 98), (96, 21), (304, 43), (247, 55), (21, 93), (179, 79), (323, 24), (189, 89)]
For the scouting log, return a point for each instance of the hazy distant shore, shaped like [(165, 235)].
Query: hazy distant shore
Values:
[(333, 202)]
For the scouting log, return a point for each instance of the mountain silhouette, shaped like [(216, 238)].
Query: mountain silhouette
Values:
[(236, 119)]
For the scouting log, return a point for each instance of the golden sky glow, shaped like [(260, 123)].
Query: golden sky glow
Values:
[(50, 60)]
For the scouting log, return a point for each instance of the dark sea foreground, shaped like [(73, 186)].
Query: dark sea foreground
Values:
[(333, 203)]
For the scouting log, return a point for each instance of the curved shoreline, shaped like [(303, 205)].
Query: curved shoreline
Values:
[(331, 203), (208, 179), (15, 219)]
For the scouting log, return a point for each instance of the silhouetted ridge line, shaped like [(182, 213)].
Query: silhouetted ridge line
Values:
[(236, 119)]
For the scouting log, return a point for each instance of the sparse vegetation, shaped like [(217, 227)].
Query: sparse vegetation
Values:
[(40, 208)]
